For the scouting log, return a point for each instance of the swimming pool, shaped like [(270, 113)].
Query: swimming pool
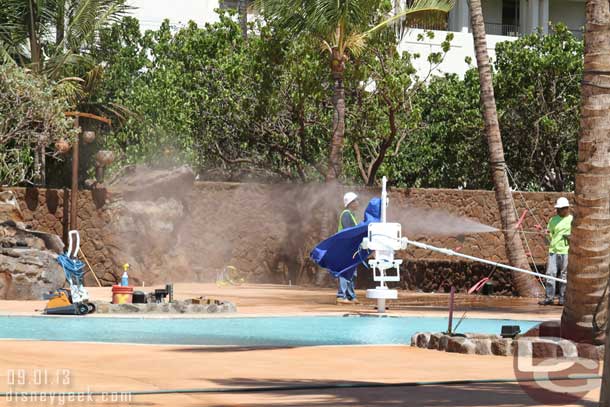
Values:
[(252, 331)]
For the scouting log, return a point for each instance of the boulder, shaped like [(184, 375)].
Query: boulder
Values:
[(228, 307), (460, 345), (9, 207), (140, 183), (588, 351), (27, 274), (126, 308), (443, 342), (481, 336), (146, 210), (421, 339), (28, 259), (482, 346), (502, 347), (434, 341)]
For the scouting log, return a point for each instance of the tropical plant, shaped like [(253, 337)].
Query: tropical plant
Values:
[(585, 315), (537, 89), (31, 118), (54, 38), (526, 285), (447, 148), (232, 108), (50, 36), (343, 28), (383, 111)]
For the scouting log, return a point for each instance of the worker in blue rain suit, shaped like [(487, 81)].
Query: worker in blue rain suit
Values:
[(346, 293)]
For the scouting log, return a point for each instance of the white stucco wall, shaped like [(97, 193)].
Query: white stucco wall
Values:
[(492, 10), (152, 12), (571, 13), (462, 46)]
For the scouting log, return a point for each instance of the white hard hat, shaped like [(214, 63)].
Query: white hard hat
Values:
[(349, 198), (562, 203)]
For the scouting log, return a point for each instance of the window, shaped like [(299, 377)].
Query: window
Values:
[(510, 17), (233, 3)]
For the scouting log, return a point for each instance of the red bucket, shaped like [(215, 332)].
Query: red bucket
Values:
[(122, 295)]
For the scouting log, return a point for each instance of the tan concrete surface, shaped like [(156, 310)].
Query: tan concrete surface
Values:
[(116, 367), (266, 299)]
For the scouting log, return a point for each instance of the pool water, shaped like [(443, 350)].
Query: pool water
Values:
[(255, 331)]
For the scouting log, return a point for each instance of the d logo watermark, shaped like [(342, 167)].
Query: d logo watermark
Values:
[(542, 365)]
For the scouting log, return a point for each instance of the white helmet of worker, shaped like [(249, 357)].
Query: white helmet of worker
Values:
[(348, 198), (562, 203)]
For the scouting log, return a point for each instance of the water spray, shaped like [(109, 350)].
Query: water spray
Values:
[(385, 238)]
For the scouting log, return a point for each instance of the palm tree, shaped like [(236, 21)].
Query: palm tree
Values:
[(242, 12), (343, 27), (48, 36), (52, 38), (586, 309), (526, 285)]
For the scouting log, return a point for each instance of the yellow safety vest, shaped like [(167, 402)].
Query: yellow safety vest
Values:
[(340, 228)]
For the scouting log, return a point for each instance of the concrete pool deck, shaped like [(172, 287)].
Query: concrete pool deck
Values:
[(273, 300), (117, 367)]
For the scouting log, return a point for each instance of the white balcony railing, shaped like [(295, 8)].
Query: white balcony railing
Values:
[(508, 30)]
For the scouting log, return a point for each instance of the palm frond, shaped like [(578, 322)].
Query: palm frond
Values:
[(87, 17), (5, 55), (319, 17), (356, 43), (421, 10), (56, 65), (70, 89)]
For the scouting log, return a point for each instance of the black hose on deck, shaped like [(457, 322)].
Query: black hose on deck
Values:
[(265, 389)]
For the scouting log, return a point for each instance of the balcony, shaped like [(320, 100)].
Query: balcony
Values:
[(507, 30), (437, 26)]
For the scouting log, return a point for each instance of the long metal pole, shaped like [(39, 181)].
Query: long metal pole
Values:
[(384, 199), (451, 308), (74, 189), (449, 252)]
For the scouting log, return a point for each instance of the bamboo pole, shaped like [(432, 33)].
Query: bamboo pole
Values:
[(90, 268)]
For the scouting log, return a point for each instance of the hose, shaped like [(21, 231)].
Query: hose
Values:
[(73, 268), (265, 389)]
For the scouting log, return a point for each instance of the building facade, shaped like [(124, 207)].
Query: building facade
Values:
[(516, 17), (505, 20)]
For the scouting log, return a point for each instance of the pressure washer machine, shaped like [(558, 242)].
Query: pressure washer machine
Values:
[(75, 299)]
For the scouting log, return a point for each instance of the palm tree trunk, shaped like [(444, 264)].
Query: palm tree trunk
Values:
[(242, 11), (586, 309), (526, 285), (60, 22), (33, 34), (335, 158)]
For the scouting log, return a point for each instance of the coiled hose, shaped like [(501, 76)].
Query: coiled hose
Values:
[(73, 268)]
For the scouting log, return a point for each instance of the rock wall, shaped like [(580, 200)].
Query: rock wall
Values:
[(28, 258), (48, 210), (267, 231)]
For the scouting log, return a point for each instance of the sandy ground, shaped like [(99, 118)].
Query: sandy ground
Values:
[(44, 366)]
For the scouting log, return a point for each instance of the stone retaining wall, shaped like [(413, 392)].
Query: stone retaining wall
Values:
[(484, 344), (267, 231)]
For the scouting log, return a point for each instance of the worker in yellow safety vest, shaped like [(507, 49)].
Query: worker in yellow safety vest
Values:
[(559, 231), (346, 293)]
